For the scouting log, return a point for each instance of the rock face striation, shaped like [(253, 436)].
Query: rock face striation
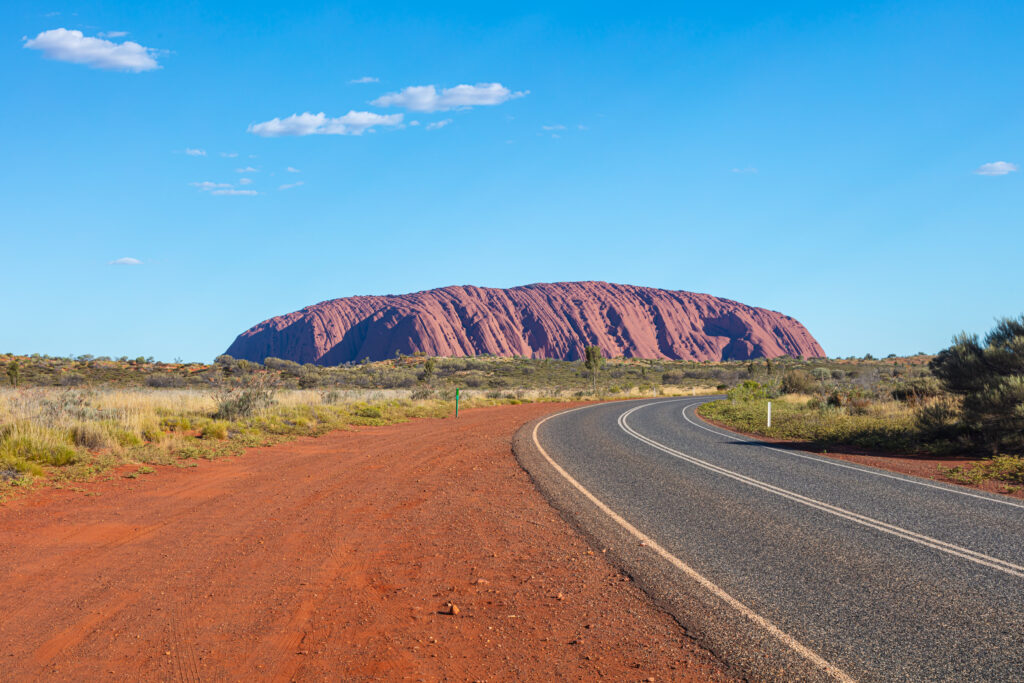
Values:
[(540, 321)]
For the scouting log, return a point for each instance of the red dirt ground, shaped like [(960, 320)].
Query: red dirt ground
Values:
[(327, 559)]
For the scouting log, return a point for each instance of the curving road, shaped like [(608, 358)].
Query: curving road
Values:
[(791, 565)]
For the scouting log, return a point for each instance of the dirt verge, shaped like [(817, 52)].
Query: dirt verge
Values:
[(417, 551)]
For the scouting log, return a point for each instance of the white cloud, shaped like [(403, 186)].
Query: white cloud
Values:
[(352, 123), (125, 261), (748, 169), (996, 168), (72, 46), (427, 98), (229, 155), (208, 185), (438, 124), (288, 186), (414, 123), (247, 169), (112, 34), (195, 152), (557, 126), (248, 193), (245, 181), (292, 169), (365, 79)]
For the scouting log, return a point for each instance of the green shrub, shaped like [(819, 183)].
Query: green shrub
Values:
[(25, 448), (215, 429), (368, 411), (989, 378), (917, 390), (748, 390), (176, 423), (798, 381)]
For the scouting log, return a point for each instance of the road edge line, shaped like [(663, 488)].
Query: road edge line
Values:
[(913, 479), (780, 635)]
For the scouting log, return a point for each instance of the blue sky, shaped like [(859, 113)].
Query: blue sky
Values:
[(827, 160)]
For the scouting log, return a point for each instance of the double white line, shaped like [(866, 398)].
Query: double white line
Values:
[(789, 641), (958, 551)]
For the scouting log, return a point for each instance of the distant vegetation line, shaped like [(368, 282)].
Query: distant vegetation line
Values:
[(968, 400), (68, 418)]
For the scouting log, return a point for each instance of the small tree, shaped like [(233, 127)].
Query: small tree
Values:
[(592, 361), (428, 369), (989, 378), (13, 372)]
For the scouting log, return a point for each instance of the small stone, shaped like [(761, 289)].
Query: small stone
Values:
[(560, 597), (451, 608)]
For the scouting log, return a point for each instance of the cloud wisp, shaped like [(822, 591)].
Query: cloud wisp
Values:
[(365, 79), (195, 152), (224, 188), (996, 168), (747, 169), (62, 45), (292, 169), (125, 261), (427, 98), (352, 123), (438, 124), (247, 169), (288, 186)]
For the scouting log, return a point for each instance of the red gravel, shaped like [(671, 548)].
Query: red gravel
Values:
[(327, 559)]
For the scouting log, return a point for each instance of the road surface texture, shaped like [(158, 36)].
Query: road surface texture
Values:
[(329, 559), (788, 565)]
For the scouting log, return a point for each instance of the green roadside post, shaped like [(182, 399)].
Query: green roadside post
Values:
[(456, 403)]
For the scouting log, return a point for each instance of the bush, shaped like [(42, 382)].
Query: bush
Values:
[(89, 435), (215, 429), (165, 381), (243, 403), (749, 390), (917, 390), (364, 410), (26, 448), (798, 382), (989, 379)]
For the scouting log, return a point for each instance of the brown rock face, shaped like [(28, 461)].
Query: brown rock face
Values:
[(539, 321)]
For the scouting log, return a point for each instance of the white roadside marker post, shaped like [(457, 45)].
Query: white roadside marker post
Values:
[(769, 414)]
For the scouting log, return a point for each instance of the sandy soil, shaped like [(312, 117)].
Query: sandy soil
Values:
[(327, 559)]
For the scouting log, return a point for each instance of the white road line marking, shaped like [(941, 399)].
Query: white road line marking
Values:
[(826, 461), (950, 548), (788, 640)]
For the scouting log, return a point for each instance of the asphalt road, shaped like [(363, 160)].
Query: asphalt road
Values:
[(791, 566)]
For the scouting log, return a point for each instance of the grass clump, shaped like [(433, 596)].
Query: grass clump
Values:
[(887, 425), (1003, 468)]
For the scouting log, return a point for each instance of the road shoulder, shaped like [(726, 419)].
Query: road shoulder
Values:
[(747, 649)]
